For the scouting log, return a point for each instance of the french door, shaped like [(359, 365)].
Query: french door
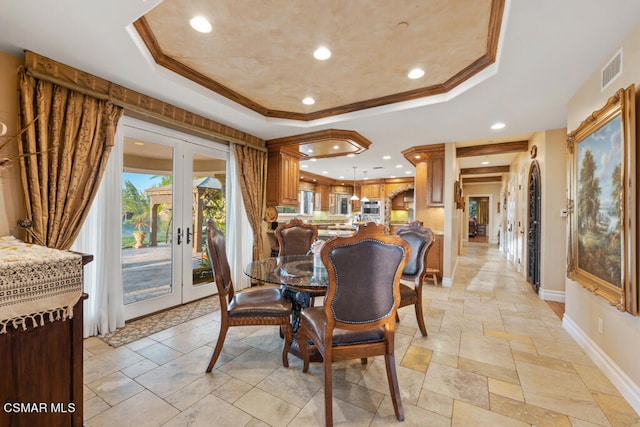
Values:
[(172, 184)]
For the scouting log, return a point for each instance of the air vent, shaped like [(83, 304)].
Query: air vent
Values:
[(612, 70), (377, 167)]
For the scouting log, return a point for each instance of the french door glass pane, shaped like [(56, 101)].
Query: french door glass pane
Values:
[(208, 202), (147, 221)]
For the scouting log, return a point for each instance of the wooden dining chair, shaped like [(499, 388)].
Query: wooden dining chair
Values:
[(295, 237), (358, 318), (420, 239), (247, 308)]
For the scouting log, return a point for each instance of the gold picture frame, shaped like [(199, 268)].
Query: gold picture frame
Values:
[(602, 203)]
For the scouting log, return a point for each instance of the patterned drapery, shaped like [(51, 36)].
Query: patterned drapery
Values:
[(62, 157), (483, 211), (252, 164)]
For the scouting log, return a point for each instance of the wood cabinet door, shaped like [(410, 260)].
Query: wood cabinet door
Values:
[(435, 181)]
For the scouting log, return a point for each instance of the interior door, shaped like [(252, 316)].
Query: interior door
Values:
[(171, 187)]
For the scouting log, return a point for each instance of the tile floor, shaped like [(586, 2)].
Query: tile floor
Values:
[(496, 355)]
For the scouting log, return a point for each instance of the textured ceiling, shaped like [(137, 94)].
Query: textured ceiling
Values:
[(260, 54)]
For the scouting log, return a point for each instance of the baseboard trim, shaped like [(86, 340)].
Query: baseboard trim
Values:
[(627, 388), (446, 282), (556, 296)]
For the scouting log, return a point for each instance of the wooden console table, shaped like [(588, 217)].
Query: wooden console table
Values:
[(41, 378)]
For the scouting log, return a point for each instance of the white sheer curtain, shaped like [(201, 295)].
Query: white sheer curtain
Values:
[(238, 228), (100, 237)]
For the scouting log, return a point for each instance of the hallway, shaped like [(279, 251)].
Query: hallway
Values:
[(496, 355)]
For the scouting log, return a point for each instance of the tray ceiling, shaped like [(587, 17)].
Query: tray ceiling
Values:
[(260, 54)]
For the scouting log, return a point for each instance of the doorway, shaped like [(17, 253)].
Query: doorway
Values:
[(533, 241), (171, 185), (479, 219)]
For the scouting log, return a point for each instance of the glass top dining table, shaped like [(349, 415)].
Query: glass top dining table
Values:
[(297, 273)]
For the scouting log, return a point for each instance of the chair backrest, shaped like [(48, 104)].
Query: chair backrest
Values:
[(364, 272), (219, 263), (295, 237), (420, 239)]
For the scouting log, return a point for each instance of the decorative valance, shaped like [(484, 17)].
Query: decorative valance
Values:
[(44, 68), (37, 284)]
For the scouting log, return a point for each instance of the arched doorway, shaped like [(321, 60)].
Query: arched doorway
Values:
[(387, 202), (533, 240)]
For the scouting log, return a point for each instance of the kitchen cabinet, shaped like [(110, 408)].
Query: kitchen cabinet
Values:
[(373, 191), (322, 202), (283, 176), (402, 201), (435, 180), (436, 255)]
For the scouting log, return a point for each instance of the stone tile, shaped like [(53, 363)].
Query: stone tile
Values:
[(292, 385), (267, 407), (458, 384), (193, 338), (159, 353), (96, 346), (172, 376), (436, 402), (197, 390), (232, 390), (594, 379), (140, 344), (530, 414), (490, 371), (465, 414), (535, 381), (488, 350), (507, 336), (413, 416), (108, 363), (410, 384), (87, 393), (444, 359), (115, 388), (547, 362), (252, 366), (502, 388), (416, 358), (143, 409), (139, 368), (93, 406), (344, 413), (210, 411), (617, 410)]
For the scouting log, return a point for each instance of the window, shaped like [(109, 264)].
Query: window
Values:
[(306, 202)]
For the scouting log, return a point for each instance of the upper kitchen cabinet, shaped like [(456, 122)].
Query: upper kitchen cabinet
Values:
[(435, 180), (433, 157), (322, 202), (373, 191), (283, 175)]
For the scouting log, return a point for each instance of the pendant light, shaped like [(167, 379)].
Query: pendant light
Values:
[(365, 198), (354, 197)]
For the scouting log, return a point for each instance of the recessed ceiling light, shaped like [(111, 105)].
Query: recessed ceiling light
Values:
[(322, 53), (341, 177), (416, 73), (313, 160), (392, 176), (200, 24), (417, 156), (350, 155), (308, 101), (140, 143), (335, 147), (305, 166), (325, 172), (497, 126), (485, 163), (386, 157), (310, 150), (407, 172), (399, 166)]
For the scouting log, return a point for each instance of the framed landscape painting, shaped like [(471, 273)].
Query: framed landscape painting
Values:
[(602, 239)]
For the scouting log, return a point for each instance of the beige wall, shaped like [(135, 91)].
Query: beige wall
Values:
[(619, 344), (12, 199), (451, 216)]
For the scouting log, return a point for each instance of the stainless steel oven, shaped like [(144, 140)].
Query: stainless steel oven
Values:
[(370, 210)]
